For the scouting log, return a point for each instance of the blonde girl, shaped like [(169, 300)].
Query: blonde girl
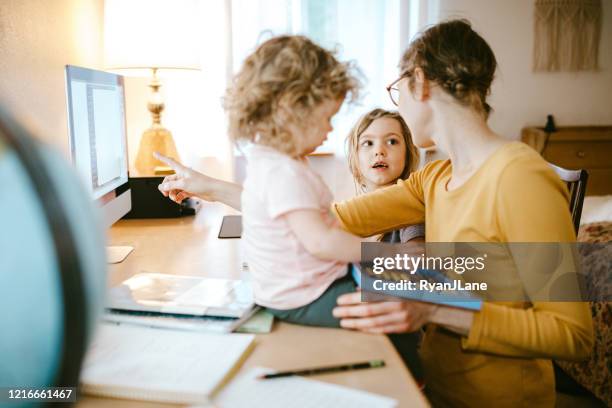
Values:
[(380, 152), (380, 132)]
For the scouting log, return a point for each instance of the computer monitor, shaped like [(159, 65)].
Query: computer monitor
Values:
[(98, 143)]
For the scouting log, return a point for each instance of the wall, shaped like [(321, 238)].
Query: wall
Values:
[(521, 97), (193, 111), (37, 38)]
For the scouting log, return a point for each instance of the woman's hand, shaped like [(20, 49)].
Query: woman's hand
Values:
[(399, 316), (187, 182), (382, 317)]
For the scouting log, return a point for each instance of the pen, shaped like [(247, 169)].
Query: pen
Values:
[(325, 370)]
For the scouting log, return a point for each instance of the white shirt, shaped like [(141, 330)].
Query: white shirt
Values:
[(285, 274)]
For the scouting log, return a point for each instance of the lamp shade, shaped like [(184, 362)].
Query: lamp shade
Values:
[(144, 34)]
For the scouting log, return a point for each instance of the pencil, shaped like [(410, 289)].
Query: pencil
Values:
[(325, 370)]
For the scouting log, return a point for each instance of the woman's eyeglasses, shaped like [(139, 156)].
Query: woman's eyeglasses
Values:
[(393, 89)]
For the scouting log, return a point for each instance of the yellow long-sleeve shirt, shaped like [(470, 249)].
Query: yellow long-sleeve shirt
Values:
[(513, 197)]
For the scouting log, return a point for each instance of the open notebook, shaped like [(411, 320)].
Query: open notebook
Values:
[(161, 365)]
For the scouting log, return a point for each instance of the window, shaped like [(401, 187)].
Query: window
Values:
[(365, 31), (370, 32)]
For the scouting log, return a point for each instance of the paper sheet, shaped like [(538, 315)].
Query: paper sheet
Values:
[(248, 391)]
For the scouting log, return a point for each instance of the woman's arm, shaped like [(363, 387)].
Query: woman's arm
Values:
[(381, 210), (532, 206), (388, 208), (187, 182), (560, 330)]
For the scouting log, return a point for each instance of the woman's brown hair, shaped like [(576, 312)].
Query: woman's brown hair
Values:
[(457, 58), (352, 145), (280, 84)]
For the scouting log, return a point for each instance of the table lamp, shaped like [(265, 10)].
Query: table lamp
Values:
[(146, 37)]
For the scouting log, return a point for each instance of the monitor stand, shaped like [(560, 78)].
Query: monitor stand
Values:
[(116, 254)]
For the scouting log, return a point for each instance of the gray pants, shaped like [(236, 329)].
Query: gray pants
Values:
[(318, 312)]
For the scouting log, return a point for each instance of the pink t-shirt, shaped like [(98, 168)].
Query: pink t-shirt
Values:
[(285, 274)]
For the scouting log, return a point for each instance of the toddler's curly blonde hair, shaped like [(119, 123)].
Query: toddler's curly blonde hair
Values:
[(279, 85)]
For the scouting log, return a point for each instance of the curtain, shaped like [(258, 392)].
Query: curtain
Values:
[(567, 34)]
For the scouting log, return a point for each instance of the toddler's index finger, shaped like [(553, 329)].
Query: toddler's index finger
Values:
[(176, 166)]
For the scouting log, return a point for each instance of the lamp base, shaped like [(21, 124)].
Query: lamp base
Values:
[(154, 139)]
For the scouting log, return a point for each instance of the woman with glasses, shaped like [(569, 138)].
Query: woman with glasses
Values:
[(489, 190)]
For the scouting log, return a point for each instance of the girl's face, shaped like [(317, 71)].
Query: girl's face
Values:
[(314, 133), (381, 153)]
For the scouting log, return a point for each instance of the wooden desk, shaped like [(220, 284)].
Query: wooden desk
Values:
[(190, 246)]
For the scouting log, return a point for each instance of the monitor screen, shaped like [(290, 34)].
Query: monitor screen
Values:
[(96, 121)]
